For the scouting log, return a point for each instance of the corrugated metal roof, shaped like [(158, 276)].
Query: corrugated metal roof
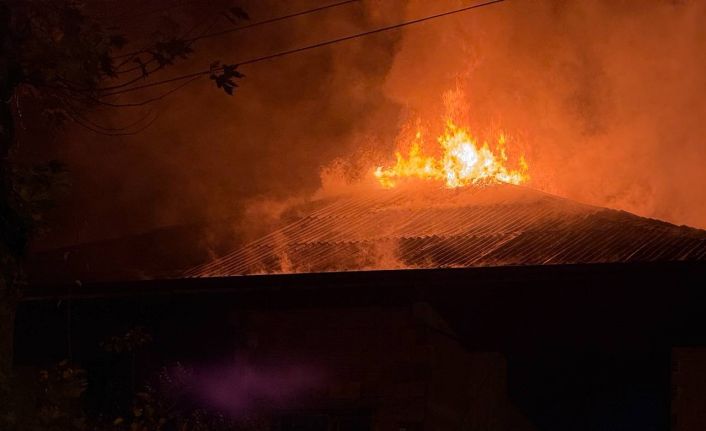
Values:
[(436, 228)]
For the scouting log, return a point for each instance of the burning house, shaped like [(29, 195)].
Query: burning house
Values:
[(496, 239), (426, 307), (448, 296), (502, 225)]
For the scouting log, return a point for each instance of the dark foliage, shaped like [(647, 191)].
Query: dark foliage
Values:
[(225, 75)]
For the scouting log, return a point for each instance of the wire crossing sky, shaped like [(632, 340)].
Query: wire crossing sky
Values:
[(304, 48)]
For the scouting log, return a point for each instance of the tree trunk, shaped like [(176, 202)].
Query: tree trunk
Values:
[(8, 305), (9, 264)]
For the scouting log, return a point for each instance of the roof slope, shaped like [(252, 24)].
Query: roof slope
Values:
[(432, 228)]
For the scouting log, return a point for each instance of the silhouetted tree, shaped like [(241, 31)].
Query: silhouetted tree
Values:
[(62, 63)]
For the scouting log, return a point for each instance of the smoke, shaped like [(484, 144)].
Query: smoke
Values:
[(603, 97), (208, 156)]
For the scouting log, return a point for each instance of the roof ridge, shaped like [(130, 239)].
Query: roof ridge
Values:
[(498, 226)]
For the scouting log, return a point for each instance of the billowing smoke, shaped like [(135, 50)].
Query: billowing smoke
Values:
[(604, 98)]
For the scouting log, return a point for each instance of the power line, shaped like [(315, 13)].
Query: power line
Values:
[(142, 65), (271, 20), (309, 47), (252, 25), (152, 99), (367, 33)]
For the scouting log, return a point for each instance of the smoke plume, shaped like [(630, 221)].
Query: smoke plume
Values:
[(603, 97)]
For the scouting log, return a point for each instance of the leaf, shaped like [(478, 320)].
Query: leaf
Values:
[(143, 66), (225, 79), (239, 13), (229, 18), (106, 64), (117, 41)]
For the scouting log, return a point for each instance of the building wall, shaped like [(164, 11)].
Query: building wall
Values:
[(402, 366), (688, 389)]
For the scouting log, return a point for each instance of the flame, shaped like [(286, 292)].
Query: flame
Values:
[(462, 162)]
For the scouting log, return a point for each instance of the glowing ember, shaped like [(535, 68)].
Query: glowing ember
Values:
[(461, 163)]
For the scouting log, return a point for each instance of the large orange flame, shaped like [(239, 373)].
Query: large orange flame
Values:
[(462, 162)]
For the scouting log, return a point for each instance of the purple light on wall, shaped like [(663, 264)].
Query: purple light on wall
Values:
[(243, 388)]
